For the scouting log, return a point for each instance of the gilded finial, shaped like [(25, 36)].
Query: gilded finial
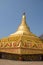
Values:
[(24, 16)]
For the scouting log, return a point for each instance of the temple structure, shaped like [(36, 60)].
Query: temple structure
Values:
[(22, 45)]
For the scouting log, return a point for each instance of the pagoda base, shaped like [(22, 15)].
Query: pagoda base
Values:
[(25, 57)]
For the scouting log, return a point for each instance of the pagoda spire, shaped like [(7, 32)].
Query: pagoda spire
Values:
[(23, 28), (24, 18)]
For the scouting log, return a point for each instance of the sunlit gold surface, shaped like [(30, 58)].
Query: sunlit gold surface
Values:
[(23, 28), (23, 41)]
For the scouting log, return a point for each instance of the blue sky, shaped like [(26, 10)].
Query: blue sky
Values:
[(11, 14)]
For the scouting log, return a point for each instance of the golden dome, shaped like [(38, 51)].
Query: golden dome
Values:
[(23, 41)]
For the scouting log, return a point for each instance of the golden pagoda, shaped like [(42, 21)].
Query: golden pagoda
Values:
[(22, 45)]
